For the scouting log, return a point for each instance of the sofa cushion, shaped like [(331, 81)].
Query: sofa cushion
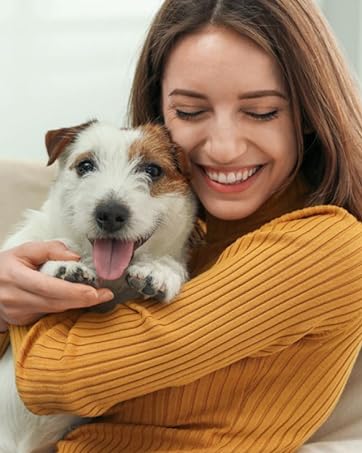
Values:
[(22, 185)]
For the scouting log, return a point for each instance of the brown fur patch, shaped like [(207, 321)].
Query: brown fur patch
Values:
[(155, 146), (84, 156)]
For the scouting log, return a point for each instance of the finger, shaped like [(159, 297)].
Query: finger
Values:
[(25, 308), (37, 253), (54, 290)]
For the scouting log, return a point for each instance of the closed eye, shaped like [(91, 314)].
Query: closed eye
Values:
[(188, 115), (263, 116)]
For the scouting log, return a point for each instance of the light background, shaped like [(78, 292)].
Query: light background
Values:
[(66, 61)]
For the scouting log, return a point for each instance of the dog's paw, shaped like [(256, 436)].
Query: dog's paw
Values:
[(71, 271), (160, 278)]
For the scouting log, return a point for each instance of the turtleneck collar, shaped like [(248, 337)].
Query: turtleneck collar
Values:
[(226, 231)]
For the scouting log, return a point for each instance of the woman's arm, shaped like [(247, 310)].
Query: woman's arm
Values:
[(298, 275)]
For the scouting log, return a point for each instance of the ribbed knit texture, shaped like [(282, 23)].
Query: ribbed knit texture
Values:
[(250, 358)]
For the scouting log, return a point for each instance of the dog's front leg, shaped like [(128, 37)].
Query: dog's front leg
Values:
[(71, 271), (159, 277)]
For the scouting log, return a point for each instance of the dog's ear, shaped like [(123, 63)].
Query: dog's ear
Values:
[(58, 140)]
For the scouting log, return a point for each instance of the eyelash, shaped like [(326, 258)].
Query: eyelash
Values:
[(256, 116), (263, 116), (188, 115)]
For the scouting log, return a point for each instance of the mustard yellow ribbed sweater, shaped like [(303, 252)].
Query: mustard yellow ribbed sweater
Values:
[(250, 358)]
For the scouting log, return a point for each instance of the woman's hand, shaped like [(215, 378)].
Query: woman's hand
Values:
[(26, 294)]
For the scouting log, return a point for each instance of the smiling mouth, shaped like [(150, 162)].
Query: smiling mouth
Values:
[(230, 178)]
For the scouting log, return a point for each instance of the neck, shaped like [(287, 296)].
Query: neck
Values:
[(293, 197)]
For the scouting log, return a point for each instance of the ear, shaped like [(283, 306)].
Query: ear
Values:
[(58, 140)]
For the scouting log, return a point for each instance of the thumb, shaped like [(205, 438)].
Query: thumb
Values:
[(37, 253)]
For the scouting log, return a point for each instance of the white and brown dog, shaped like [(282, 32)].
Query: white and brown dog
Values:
[(122, 201)]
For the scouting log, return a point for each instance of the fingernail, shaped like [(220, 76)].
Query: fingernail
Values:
[(105, 295)]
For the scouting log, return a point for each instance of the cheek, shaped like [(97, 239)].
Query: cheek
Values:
[(283, 145), (183, 133), (185, 138), (291, 149)]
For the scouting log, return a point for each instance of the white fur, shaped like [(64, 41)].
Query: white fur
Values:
[(68, 215)]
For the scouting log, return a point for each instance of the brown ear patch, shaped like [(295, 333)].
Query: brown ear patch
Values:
[(155, 146), (56, 141)]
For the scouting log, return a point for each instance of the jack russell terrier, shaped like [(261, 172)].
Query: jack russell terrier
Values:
[(123, 202)]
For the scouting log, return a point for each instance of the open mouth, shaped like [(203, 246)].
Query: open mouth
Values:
[(228, 181), (231, 177), (112, 256)]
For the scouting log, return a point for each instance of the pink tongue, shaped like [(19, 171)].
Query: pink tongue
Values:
[(111, 257)]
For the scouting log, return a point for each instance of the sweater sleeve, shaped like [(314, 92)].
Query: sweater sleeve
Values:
[(298, 275)]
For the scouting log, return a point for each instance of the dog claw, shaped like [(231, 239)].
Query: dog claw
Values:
[(61, 272), (149, 289), (76, 275), (135, 282), (144, 286)]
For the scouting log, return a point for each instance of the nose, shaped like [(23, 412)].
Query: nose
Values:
[(226, 142), (111, 216)]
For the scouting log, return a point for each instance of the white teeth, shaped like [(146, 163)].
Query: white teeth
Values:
[(231, 177), (222, 177)]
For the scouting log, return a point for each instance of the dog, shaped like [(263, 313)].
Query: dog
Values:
[(122, 201)]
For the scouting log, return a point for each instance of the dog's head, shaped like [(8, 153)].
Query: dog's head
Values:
[(117, 186)]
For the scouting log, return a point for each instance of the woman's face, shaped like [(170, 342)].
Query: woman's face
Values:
[(225, 103)]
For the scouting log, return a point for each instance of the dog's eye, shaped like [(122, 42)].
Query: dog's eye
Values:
[(86, 166), (154, 171)]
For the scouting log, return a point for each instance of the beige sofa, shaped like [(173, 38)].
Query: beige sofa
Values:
[(24, 185)]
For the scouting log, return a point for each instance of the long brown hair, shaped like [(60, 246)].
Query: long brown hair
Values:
[(323, 95)]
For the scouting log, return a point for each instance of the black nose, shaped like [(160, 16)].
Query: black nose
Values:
[(111, 216)]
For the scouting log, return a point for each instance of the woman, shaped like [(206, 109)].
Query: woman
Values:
[(255, 352)]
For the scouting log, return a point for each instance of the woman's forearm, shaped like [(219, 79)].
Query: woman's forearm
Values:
[(296, 276)]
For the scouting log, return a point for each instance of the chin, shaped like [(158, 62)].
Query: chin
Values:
[(232, 210)]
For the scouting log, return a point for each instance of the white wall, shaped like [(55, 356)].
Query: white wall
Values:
[(66, 61), (345, 18)]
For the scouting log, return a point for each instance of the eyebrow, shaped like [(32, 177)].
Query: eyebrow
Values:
[(248, 95)]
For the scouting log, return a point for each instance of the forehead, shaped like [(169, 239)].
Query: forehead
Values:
[(204, 58), (149, 142), (103, 137)]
